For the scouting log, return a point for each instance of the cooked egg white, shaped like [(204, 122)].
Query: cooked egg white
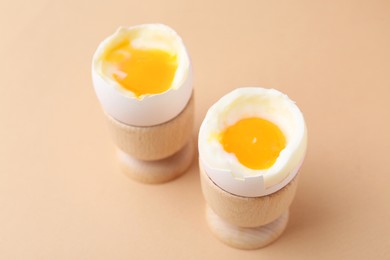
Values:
[(252, 141)]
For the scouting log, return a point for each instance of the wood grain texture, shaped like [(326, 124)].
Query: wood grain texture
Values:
[(159, 171), (154, 142), (246, 238), (245, 211)]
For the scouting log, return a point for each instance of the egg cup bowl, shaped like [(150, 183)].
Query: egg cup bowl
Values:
[(246, 222), (155, 154)]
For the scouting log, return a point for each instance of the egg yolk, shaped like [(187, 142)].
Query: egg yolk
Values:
[(255, 142), (142, 71)]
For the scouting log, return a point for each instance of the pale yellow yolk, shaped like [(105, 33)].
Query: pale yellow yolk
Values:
[(254, 141), (142, 71)]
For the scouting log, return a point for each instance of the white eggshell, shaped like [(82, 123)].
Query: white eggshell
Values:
[(224, 169), (147, 110)]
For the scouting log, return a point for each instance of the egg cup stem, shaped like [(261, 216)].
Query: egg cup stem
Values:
[(242, 237), (155, 154), (158, 171)]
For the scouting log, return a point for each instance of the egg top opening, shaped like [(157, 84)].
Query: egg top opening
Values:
[(143, 60), (142, 71), (255, 142), (252, 132)]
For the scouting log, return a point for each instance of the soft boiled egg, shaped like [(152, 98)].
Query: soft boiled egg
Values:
[(142, 74), (252, 141)]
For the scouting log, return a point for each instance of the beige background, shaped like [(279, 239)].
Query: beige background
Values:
[(62, 195)]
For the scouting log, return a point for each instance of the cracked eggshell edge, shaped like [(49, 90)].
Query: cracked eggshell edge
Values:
[(150, 109)]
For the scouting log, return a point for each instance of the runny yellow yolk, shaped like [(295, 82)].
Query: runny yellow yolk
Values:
[(142, 71), (254, 141)]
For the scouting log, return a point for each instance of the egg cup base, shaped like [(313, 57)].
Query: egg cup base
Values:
[(158, 171), (246, 238)]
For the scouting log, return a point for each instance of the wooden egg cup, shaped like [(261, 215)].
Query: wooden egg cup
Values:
[(155, 154), (246, 222)]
